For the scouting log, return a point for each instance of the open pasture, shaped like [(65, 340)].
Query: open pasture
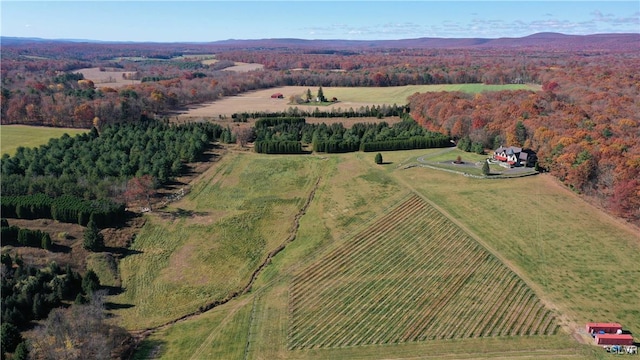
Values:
[(207, 245), (354, 198), (14, 136), (348, 97), (107, 78)]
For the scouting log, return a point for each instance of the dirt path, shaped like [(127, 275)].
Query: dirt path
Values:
[(563, 320)]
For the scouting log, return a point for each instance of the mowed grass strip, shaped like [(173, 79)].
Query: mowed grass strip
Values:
[(14, 136), (199, 339), (206, 246), (411, 276)]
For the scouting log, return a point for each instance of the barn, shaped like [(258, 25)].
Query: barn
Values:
[(607, 328), (614, 339)]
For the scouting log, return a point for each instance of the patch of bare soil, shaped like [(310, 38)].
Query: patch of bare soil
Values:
[(67, 242)]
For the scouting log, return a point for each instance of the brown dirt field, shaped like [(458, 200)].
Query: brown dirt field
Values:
[(260, 100), (244, 67), (109, 78)]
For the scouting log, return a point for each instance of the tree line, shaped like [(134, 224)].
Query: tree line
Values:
[(65, 208), (97, 165), (30, 293), (286, 136), (14, 235)]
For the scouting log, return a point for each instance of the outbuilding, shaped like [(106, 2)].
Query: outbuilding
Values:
[(277, 96), (614, 339), (607, 328)]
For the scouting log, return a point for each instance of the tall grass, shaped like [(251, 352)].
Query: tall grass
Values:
[(205, 247)]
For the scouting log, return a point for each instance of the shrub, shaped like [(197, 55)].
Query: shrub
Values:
[(378, 158)]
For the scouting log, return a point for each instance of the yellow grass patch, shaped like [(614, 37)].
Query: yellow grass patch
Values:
[(108, 78)]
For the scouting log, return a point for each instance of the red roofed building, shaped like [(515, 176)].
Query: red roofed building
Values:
[(614, 339), (608, 328), (277, 96)]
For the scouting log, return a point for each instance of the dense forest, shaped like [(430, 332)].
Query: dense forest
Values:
[(91, 176), (583, 124)]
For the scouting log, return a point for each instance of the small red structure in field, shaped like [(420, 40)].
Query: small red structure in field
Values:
[(277, 96), (614, 339), (608, 328)]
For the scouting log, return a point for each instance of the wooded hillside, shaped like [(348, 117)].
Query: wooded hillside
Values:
[(584, 125)]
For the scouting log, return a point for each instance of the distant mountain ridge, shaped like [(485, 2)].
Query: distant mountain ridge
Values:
[(544, 40)]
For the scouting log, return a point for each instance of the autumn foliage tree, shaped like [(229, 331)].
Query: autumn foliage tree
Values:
[(141, 188)]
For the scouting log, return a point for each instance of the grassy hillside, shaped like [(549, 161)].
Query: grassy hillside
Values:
[(179, 264), (206, 247), (579, 258), (13, 136)]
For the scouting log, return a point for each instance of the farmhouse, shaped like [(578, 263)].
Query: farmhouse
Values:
[(514, 156), (277, 96)]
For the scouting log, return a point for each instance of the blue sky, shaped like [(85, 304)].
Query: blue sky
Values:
[(200, 21)]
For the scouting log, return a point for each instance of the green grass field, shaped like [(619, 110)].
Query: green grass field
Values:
[(206, 247), (14, 136), (584, 261), (580, 263), (410, 276), (399, 94)]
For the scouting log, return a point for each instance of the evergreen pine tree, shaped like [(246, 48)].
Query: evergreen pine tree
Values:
[(10, 338), (378, 158), (90, 282), (321, 97), (485, 168), (93, 239), (22, 352)]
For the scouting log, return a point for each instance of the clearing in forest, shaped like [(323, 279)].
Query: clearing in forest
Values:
[(348, 97), (13, 136)]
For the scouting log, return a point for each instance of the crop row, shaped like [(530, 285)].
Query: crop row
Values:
[(410, 276)]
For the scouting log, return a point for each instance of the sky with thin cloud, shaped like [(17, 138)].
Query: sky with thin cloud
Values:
[(203, 21)]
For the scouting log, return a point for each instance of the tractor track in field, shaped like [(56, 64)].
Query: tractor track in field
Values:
[(141, 335)]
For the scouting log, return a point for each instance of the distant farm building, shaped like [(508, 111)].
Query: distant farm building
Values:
[(605, 328), (614, 339), (515, 156), (277, 96), (609, 334)]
